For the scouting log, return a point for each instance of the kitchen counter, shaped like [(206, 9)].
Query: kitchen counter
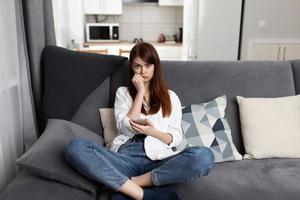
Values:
[(166, 51), (126, 43)]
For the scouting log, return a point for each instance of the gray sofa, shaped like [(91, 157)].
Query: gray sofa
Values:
[(76, 84)]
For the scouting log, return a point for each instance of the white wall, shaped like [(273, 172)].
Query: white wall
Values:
[(68, 21), (218, 29), (149, 20), (282, 21)]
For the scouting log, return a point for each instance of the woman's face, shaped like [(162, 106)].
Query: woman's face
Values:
[(142, 68)]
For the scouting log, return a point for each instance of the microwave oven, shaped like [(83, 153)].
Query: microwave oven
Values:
[(102, 32)]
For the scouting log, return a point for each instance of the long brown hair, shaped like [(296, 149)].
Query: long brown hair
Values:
[(159, 95)]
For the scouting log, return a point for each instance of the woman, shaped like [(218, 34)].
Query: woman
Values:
[(144, 153)]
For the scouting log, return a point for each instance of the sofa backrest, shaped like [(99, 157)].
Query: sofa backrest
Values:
[(76, 85), (200, 81), (296, 71)]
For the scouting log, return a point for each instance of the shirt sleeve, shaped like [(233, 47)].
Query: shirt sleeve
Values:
[(121, 109), (174, 127)]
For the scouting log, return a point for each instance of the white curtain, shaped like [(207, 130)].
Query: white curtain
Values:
[(17, 124)]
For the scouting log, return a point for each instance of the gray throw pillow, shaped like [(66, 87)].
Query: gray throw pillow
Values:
[(204, 124), (87, 114), (46, 157)]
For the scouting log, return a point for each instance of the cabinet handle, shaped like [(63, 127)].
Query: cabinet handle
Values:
[(284, 51), (278, 52)]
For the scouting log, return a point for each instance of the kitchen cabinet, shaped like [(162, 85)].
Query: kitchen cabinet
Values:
[(275, 51), (103, 7), (169, 52), (291, 51), (170, 2)]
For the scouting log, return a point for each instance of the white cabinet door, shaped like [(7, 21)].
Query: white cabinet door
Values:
[(112, 7), (266, 52), (170, 2), (291, 52), (91, 6), (275, 51), (103, 7)]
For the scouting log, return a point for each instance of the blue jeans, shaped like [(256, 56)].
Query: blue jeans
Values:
[(113, 169)]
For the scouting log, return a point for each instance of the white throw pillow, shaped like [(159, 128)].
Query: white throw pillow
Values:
[(108, 121), (270, 126)]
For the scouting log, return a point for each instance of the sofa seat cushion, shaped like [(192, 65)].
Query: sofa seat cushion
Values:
[(27, 186), (247, 179)]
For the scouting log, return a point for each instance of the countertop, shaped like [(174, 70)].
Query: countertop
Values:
[(126, 43)]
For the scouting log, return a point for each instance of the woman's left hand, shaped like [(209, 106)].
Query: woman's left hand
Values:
[(143, 129)]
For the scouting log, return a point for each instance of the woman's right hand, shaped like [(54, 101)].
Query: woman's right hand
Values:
[(138, 82)]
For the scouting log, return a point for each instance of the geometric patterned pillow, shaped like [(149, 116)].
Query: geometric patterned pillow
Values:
[(204, 125)]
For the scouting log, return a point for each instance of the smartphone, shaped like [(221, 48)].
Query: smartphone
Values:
[(140, 121)]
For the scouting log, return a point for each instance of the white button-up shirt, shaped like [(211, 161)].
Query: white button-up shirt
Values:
[(154, 148)]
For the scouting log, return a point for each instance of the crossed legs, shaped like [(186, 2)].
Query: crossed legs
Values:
[(144, 180), (113, 169)]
